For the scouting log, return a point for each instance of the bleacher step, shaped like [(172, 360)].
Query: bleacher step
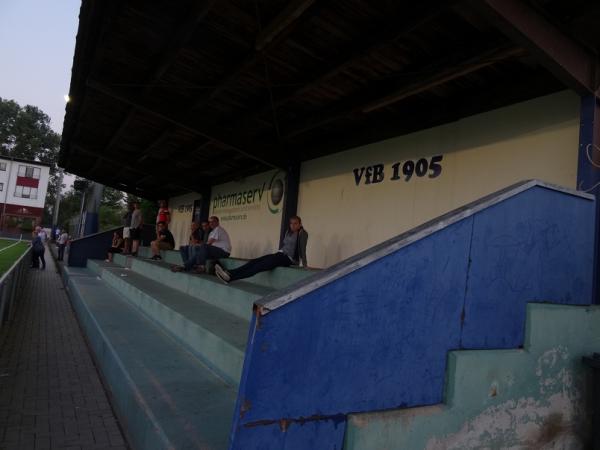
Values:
[(164, 395), (278, 278), (236, 298), (219, 338)]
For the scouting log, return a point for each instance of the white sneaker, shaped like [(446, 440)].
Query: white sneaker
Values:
[(222, 273), (220, 277)]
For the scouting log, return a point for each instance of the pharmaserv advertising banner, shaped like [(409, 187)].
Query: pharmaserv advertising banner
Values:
[(250, 210)]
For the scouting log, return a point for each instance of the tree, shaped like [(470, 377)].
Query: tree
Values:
[(113, 197), (25, 133), (70, 204)]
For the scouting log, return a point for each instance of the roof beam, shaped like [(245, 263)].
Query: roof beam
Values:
[(363, 104), (89, 36), (291, 13), (272, 34), (507, 91), (183, 120), (569, 61), (137, 169), (443, 77), (177, 40), (395, 29), (164, 136)]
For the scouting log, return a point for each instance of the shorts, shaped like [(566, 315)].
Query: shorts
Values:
[(126, 232), (165, 246), (135, 234)]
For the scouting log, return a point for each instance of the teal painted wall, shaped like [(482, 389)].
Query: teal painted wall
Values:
[(530, 398)]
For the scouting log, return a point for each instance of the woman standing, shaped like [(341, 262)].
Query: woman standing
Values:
[(164, 214)]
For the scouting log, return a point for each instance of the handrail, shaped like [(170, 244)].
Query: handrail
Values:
[(93, 235), (96, 245), (10, 282), (282, 297)]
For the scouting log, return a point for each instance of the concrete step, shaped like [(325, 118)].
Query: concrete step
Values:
[(235, 298), (217, 337), (484, 387), (164, 395), (278, 278)]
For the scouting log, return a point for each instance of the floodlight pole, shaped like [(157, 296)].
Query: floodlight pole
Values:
[(92, 210), (57, 203)]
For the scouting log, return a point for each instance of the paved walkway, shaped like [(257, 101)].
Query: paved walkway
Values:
[(51, 396)]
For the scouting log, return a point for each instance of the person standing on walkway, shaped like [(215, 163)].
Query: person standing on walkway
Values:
[(292, 252), (37, 251), (137, 221), (62, 243)]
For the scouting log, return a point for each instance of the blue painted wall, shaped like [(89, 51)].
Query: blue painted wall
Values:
[(95, 246), (377, 338)]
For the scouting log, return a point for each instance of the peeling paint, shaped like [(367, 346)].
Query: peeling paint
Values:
[(512, 424), (534, 398)]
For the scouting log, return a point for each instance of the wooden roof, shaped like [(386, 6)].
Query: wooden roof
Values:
[(172, 96)]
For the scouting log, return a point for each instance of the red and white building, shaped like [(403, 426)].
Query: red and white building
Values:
[(23, 187)]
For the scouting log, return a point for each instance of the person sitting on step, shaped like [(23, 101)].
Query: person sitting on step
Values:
[(116, 246), (292, 252), (188, 252), (217, 246), (164, 241)]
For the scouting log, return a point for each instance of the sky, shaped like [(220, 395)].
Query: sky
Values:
[(37, 42)]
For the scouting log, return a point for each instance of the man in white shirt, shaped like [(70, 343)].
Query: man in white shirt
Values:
[(217, 246), (62, 243)]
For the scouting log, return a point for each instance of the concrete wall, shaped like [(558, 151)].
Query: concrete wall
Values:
[(182, 209), (345, 214), (352, 200), (535, 398)]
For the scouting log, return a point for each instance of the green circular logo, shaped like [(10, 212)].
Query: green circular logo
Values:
[(276, 191)]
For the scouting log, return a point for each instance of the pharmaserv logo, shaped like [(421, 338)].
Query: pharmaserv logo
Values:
[(276, 191)]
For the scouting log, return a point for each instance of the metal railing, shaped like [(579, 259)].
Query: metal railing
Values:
[(11, 286)]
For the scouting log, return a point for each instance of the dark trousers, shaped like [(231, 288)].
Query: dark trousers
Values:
[(262, 264), (61, 251), (36, 258), (115, 250), (189, 254), (204, 252)]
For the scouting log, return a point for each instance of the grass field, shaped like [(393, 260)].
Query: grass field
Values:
[(10, 251)]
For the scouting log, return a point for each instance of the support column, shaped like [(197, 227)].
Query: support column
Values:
[(588, 169), (93, 208), (290, 202), (205, 204), (55, 224)]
